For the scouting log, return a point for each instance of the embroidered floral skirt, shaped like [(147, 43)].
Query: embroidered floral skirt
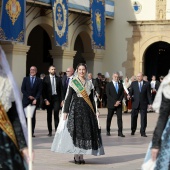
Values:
[(79, 134), (10, 158)]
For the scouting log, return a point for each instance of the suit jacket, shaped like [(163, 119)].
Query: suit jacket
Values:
[(96, 86), (47, 88), (112, 95), (34, 91), (157, 84), (64, 79), (142, 98)]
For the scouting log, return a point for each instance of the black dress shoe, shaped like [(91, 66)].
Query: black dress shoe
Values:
[(33, 135), (133, 133), (50, 134), (108, 134), (77, 162), (121, 135), (144, 135), (82, 161)]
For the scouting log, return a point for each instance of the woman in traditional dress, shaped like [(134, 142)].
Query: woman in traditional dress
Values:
[(160, 146), (81, 134), (13, 146)]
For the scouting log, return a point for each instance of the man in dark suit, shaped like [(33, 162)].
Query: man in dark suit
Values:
[(115, 94), (140, 92), (154, 87), (53, 96), (31, 89), (67, 78), (94, 82)]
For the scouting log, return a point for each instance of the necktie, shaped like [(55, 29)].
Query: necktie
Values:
[(117, 88), (140, 86), (32, 81), (67, 82), (53, 85)]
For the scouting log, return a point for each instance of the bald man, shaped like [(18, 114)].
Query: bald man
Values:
[(140, 92), (66, 79)]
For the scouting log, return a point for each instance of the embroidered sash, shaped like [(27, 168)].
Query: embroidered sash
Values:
[(6, 125), (83, 92)]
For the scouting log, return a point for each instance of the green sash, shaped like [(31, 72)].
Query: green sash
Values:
[(83, 92)]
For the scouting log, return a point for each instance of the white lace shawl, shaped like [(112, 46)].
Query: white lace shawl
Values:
[(6, 92), (6, 71), (164, 88)]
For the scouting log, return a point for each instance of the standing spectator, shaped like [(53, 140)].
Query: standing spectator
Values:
[(107, 76), (145, 78), (31, 89), (62, 74), (140, 93), (120, 76), (154, 87), (94, 82), (67, 78), (53, 96), (103, 92), (99, 79), (115, 93)]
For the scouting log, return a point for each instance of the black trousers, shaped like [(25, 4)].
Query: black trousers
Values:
[(119, 118), (143, 119), (54, 105)]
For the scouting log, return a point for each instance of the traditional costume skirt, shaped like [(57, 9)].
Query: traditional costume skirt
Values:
[(10, 157), (79, 134), (163, 159)]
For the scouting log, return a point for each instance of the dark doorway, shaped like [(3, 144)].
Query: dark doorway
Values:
[(78, 46), (157, 59), (39, 55)]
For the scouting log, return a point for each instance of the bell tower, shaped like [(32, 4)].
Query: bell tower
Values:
[(161, 9)]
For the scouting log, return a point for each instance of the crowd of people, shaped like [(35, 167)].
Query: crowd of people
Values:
[(78, 95)]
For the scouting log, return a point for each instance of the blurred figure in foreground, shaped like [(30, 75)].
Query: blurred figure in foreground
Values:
[(160, 146), (13, 130)]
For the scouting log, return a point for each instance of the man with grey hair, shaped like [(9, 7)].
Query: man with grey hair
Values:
[(140, 92), (31, 89), (115, 94), (67, 78)]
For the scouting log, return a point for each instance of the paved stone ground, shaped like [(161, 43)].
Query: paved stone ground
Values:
[(120, 153)]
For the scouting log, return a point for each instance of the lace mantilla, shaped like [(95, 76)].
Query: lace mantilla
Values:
[(6, 92)]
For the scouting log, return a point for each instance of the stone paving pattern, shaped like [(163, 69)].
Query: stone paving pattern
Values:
[(120, 153)]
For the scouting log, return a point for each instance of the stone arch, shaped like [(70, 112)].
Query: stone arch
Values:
[(79, 30), (45, 23), (146, 44)]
